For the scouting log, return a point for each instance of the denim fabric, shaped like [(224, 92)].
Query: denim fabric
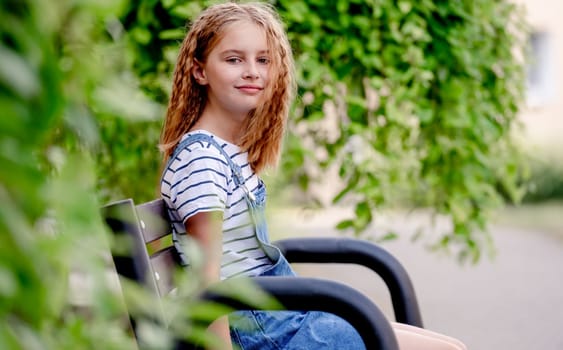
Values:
[(291, 330), (288, 330), (276, 330)]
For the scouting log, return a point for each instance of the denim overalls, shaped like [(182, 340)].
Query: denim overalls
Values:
[(276, 330)]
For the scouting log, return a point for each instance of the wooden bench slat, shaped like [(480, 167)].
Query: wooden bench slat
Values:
[(153, 218), (164, 263)]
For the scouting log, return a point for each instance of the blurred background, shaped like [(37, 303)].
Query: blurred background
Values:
[(431, 127), (511, 300)]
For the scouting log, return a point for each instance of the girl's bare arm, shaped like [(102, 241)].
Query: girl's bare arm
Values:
[(206, 228)]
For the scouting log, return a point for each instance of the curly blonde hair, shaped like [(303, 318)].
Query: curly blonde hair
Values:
[(264, 129)]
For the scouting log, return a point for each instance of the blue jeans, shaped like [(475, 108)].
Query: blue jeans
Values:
[(291, 330)]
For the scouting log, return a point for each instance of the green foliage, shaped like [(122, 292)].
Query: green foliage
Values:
[(50, 80), (424, 96), (149, 33), (428, 95), (545, 181), (63, 80), (48, 220), (413, 101)]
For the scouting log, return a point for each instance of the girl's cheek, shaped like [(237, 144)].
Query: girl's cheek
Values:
[(266, 76)]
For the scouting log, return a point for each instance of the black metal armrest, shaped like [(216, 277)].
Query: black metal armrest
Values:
[(302, 293), (148, 222), (372, 256)]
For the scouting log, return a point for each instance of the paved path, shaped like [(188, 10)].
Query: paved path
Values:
[(513, 301)]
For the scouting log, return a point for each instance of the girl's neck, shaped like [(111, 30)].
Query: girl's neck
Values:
[(227, 127)]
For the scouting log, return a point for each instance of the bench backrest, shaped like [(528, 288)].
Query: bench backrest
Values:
[(148, 228)]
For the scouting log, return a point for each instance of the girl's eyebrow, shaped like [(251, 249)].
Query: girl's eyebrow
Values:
[(240, 52)]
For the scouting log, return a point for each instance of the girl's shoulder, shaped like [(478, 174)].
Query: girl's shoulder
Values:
[(206, 142), (200, 145)]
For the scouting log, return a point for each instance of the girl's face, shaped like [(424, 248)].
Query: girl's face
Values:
[(236, 70)]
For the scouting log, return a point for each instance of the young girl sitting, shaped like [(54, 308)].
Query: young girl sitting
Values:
[(233, 85)]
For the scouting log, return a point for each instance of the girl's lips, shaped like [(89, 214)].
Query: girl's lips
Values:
[(249, 89)]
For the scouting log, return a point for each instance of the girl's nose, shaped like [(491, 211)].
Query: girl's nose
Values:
[(251, 71)]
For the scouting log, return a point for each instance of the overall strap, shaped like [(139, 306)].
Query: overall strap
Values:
[(271, 251), (235, 168)]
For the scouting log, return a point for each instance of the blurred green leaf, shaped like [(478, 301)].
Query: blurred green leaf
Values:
[(17, 74)]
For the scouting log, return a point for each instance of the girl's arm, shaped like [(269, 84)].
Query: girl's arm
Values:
[(206, 228)]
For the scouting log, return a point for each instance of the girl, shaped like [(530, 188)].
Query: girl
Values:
[(233, 85)]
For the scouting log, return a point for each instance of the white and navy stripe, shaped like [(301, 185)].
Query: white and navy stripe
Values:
[(199, 179)]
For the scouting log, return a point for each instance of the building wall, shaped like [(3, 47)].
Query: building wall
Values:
[(542, 114)]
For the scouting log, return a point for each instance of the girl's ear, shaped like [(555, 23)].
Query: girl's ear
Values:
[(198, 72)]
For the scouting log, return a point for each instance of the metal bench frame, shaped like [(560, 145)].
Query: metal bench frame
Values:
[(148, 222)]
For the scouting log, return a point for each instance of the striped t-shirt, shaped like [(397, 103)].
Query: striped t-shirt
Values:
[(199, 179)]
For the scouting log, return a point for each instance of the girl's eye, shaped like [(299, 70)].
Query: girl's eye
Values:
[(263, 60), (234, 60)]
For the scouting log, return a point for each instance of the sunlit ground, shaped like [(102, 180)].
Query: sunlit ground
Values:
[(515, 292), (546, 216)]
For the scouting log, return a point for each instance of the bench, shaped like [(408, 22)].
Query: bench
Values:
[(147, 223)]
